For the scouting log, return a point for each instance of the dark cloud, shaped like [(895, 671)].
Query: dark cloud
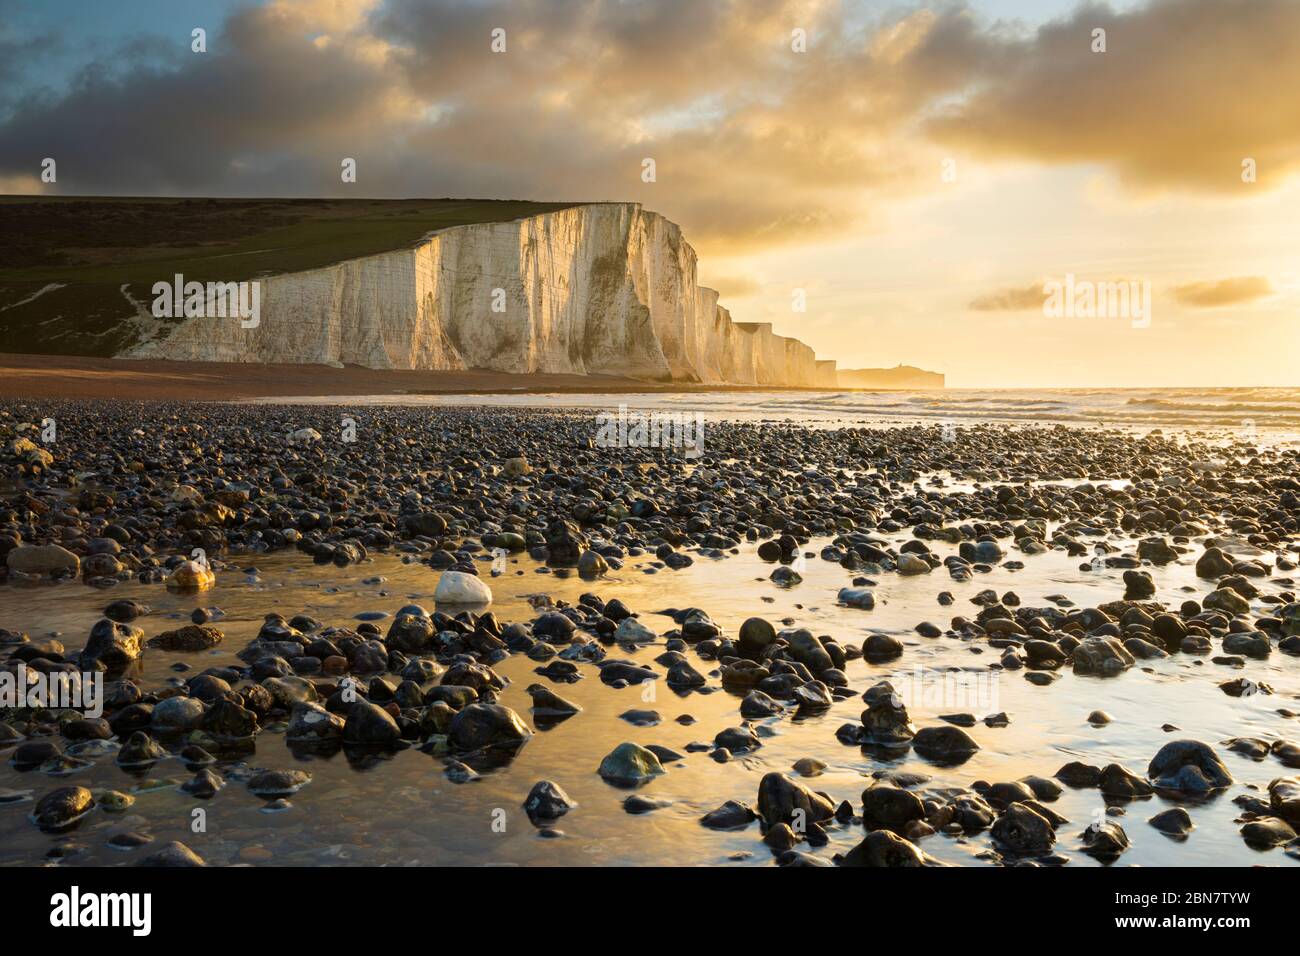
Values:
[(18, 52), (754, 144)]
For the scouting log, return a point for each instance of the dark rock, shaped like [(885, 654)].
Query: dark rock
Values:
[(547, 801), (944, 745), (368, 724), (881, 848), (62, 809), (779, 797), (1022, 831), (1174, 822), (487, 725), (1188, 766), (890, 808)]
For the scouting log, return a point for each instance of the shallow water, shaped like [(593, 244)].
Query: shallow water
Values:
[(1264, 413), (405, 811)]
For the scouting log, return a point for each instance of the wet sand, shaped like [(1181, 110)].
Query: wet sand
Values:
[(74, 377), (991, 553), (403, 810)]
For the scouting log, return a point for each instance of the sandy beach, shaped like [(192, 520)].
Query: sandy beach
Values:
[(62, 376)]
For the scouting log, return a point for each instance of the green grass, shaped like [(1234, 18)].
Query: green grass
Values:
[(93, 246)]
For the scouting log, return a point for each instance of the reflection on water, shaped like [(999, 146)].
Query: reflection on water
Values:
[(405, 810), (1252, 414)]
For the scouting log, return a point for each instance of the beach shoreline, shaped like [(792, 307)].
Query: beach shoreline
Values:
[(86, 377)]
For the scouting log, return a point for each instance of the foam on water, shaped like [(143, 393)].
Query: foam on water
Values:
[(1271, 411)]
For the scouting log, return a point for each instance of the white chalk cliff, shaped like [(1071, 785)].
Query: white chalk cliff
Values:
[(600, 288)]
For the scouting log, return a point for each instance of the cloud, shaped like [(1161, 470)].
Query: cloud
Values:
[(1184, 92), (1016, 299), (18, 52), (755, 145), (1220, 292)]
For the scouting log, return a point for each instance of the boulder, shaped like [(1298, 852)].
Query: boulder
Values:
[(312, 722), (1188, 766), (62, 809), (173, 854), (1228, 601), (1284, 798), (944, 744), (630, 764), (191, 576), (1267, 832), (43, 559), (1023, 831), (632, 631), (112, 644), (228, 721), (547, 801), (457, 587), (1105, 840), (1213, 564), (860, 598), (592, 565), (880, 648), (779, 797), (732, 815), (890, 808), (477, 726), (885, 722), (1102, 656), (368, 724), (809, 651), (191, 637), (1175, 822), (176, 714), (881, 848), (756, 635), (271, 784)]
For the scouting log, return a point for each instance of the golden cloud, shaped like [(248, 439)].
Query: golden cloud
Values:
[(1017, 299), (1220, 292), (1184, 94), (756, 143)]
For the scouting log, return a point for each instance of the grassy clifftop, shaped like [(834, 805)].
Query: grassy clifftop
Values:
[(68, 264)]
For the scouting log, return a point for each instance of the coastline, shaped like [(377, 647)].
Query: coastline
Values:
[(86, 377)]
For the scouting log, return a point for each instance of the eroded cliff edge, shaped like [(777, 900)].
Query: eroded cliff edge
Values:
[(605, 288)]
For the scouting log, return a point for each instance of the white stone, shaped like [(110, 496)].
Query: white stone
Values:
[(909, 563), (632, 631), (457, 587), (42, 559)]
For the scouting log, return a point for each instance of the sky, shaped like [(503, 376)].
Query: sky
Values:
[(891, 182)]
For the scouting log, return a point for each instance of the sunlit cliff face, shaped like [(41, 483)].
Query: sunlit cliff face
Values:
[(889, 183)]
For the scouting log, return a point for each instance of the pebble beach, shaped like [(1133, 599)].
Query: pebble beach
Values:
[(470, 633)]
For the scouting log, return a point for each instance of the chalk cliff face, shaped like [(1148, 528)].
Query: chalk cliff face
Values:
[(602, 288)]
